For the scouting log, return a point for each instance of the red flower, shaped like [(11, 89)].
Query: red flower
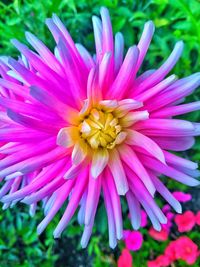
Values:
[(186, 250), (133, 240), (170, 251), (185, 221), (182, 248), (159, 235), (125, 259), (198, 218), (160, 261)]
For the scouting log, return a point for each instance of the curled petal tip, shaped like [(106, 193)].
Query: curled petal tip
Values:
[(94, 173), (135, 226), (5, 206), (195, 182), (54, 15), (123, 191), (56, 234), (104, 9), (14, 41), (5, 199), (83, 245), (179, 45), (39, 230), (157, 227), (113, 244), (179, 208), (27, 33), (13, 175), (150, 23)]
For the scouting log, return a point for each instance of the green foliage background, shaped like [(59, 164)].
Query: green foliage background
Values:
[(174, 20)]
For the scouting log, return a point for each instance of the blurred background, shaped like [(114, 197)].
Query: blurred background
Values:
[(174, 20)]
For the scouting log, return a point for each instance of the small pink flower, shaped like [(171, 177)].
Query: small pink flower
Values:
[(198, 218), (169, 215), (166, 208), (133, 240), (125, 259), (185, 221), (186, 250), (182, 197), (160, 261), (159, 235), (143, 219), (168, 225)]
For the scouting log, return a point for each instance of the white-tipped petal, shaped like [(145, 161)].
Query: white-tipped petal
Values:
[(118, 173), (99, 162), (79, 153), (85, 107), (120, 137), (64, 137), (138, 139), (133, 117), (85, 128), (109, 104), (73, 172), (95, 114), (124, 106)]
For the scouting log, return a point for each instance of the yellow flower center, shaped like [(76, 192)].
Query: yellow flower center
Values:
[(101, 129), (96, 130)]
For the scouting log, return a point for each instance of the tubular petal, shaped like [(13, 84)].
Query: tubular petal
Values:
[(73, 203), (137, 139), (99, 161), (118, 173)]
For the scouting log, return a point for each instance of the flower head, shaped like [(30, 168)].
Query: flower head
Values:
[(182, 248), (161, 235), (160, 261), (133, 240), (182, 197), (170, 251), (185, 221), (76, 125), (125, 259), (186, 250)]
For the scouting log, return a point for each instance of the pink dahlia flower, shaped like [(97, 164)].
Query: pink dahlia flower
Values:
[(75, 126)]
